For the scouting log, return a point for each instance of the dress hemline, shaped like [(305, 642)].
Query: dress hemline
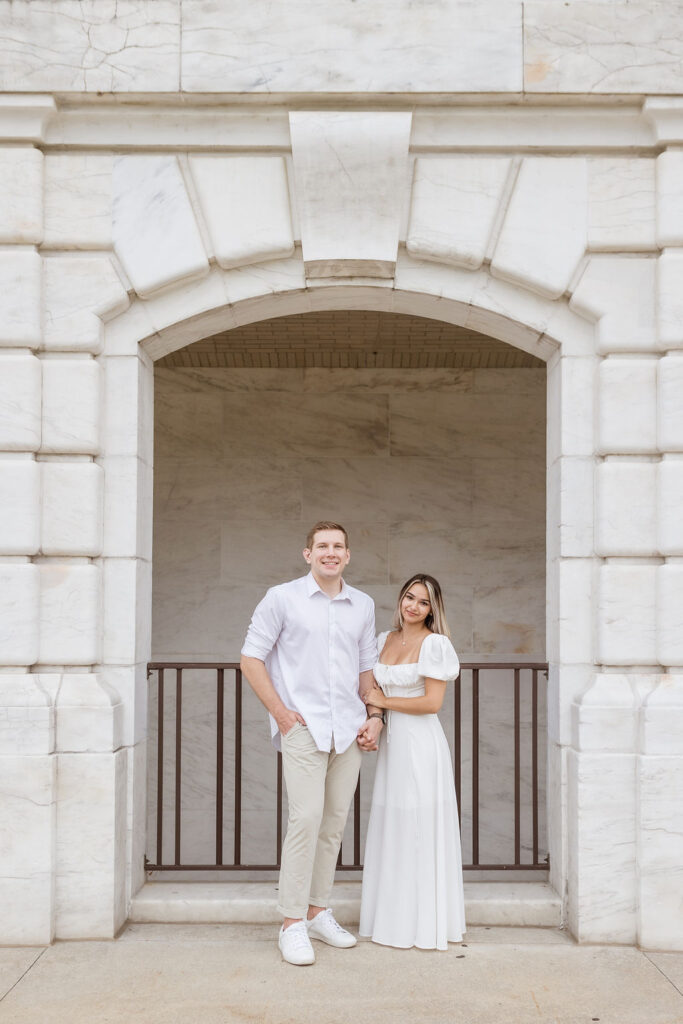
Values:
[(414, 945)]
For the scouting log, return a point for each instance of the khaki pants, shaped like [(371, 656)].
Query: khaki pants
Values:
[(320, 787)]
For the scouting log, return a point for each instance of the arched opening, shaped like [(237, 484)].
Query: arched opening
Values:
[(427, 440)]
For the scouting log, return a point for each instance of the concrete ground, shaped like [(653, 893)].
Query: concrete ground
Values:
[(220, 974)]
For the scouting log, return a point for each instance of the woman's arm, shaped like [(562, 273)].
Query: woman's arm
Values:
[(429, 704)]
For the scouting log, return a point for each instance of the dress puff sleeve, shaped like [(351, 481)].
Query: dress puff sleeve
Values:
[(438, 659), (381, 640)]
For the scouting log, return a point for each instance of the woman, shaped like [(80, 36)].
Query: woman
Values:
[(412, 880)]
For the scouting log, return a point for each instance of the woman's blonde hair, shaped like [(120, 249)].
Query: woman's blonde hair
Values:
[(436, 620)]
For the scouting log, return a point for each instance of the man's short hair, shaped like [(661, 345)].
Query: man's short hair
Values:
[(310, 537)]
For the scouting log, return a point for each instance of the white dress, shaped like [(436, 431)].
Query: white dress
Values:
[(412, 877)]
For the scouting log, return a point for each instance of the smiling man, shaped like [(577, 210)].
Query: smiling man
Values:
[(308, 656)]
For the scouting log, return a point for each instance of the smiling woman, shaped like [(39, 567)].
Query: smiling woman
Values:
[(412, 884)]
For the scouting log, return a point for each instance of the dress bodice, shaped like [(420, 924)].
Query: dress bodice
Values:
[(437, 660)]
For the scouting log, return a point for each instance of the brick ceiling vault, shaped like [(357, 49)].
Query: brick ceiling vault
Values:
[(351, 338)]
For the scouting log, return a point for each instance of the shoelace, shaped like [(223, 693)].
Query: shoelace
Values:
[(298, 935), (329, 916)]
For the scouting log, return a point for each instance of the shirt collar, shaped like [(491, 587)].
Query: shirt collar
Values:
[(312, 587)]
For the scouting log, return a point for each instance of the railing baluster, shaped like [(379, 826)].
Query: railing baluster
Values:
[(457, 744), (356, 824), (238, 768), (160, 767), (475, 767), (178, 759), (534, 762), (518, 844), (220, 716)]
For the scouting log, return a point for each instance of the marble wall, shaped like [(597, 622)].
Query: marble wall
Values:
[(440, 471)]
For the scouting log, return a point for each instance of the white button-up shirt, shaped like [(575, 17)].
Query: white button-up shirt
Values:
[(314, 648)]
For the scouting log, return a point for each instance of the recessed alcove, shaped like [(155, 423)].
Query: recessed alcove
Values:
[(427, 441)]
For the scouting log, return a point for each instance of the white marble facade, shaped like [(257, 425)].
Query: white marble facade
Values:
[(154, 190)]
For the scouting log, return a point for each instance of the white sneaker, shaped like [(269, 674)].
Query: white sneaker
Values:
[(324, 927), (295, 945)]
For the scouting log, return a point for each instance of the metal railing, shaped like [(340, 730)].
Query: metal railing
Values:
[(165, 673)]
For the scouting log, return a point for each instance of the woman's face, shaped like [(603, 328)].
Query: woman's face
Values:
[(415, 605)]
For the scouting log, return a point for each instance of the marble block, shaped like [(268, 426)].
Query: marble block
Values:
[(19, 588), (669, 505), (91, 845), (571, 407), (310, 47), (130, 685), (660, 780), (662, 717), (601, 47), (265, 424), (604, 717), (76, 288), (626, 617), (669, 198), (89, 715), (566, 683), (453, 208), (71, 406), (20, 303), (350, 177), (21, 188), (462, 426), (602, 868), (128, 519), (669, 405), (571, 588), (27, 796), (136, 806), (245, 203), (19, 506), (129, 408), (571, 507), (620, 294), (69, 614), (670, 299), (544, 231), (670, 614), (626, 508), (71, 508), (155, 232), (621, 203), (20, 402), (27, 723), (627, 417), (64, 46), (127, 610), (78, 200)]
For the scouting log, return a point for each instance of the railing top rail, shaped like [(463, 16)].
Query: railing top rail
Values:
[(541, 666)]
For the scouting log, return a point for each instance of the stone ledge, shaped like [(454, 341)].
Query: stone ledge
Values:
[(534, 904)]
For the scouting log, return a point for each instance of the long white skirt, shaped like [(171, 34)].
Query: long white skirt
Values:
[(412, 879)]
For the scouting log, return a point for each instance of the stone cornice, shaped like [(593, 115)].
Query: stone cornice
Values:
[(25, 118), (666, 116)]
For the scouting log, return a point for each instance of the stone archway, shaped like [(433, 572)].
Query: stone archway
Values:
[(455, 308)]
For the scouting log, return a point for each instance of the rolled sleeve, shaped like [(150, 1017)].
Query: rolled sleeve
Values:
[(367, 655), (264, 628)]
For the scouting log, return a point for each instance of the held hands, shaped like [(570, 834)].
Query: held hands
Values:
[(368, 734), (374, 696)]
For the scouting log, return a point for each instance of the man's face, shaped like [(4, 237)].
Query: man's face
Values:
[(329, 555)]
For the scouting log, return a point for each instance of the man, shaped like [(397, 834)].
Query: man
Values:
[(308, 656)]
